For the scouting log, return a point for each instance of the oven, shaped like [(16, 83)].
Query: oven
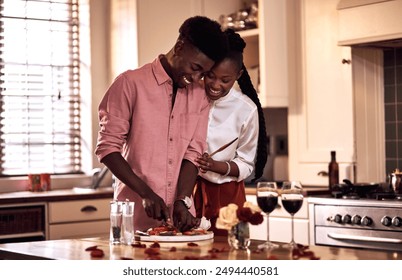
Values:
[(372, 221)]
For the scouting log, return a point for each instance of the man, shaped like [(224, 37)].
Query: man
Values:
[(153, 125)]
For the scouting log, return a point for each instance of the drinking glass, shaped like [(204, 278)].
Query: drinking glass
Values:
[(267, 199), (292, 201)]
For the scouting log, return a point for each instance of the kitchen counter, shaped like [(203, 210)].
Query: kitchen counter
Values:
[(106, 192), (55, 195), (217, 248), (308, 190)]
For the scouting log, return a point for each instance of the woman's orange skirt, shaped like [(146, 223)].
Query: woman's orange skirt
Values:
[(210, 197)]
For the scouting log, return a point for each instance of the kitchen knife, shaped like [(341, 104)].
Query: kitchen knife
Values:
[(223, 147)]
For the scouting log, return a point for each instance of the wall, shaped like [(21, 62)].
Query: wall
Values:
[(276, 122), (393, 108)]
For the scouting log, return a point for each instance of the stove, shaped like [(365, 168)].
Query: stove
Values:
[(350, 220)]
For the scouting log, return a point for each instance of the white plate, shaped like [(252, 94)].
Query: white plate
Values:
[(177, 238)]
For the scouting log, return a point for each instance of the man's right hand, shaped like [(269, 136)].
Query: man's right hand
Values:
[(155, 207)]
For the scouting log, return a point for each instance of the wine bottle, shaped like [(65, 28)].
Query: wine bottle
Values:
[(333, 171)]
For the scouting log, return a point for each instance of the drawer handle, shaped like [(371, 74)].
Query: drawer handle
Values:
[(89, 208)]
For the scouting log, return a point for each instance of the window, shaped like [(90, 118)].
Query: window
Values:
[(39, 87)]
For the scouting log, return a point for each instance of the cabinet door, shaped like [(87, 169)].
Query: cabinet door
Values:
[(280, 230), (321, 107)]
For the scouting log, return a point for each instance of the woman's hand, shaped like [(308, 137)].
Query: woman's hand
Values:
[(205, 163)]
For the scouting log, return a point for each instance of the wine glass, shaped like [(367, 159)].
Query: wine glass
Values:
[(267, 199), (292, 201)]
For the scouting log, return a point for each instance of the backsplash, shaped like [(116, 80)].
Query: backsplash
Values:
[(393, 108)]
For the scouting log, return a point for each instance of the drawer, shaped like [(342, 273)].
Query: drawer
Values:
[(79, 230), (79, 210)]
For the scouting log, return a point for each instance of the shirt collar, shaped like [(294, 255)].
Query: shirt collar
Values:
[(159, 73)]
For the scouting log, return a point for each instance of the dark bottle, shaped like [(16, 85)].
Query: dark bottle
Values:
[(333, 171)]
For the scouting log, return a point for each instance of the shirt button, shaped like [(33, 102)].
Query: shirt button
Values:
[(170, 161), (170, 139), (172, 116)]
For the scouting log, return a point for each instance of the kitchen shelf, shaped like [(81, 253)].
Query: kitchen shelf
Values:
[(249, 32)]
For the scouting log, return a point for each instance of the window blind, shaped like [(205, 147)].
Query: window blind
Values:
[(39, 87)]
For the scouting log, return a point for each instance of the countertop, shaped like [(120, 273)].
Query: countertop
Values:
[(105, 192), (55, 195), (308, 190), (216, 248)]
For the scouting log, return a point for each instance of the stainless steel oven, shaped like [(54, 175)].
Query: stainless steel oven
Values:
[(356, 222), (359, 223)]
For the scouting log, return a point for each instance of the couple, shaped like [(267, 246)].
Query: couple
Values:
[(154, 122)]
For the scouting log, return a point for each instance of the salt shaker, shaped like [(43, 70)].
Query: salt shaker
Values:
[(128, 223), (115, 221)]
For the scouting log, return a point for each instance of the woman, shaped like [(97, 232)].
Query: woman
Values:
[(233, 114)]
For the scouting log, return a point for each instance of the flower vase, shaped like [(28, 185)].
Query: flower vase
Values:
[(239, 236)]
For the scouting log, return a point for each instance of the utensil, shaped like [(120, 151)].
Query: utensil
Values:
[(223, 147), (141, 233), (395, 179)]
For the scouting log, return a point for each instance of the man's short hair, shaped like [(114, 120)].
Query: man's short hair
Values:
[(206, 35)]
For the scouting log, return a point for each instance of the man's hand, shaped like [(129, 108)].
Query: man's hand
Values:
[(182, 218), (155, 207)]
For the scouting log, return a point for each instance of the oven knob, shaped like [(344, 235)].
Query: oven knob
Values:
[(338, 218), (346, 219), (386, 221), (366, 221), (356, 219), (396, 221)]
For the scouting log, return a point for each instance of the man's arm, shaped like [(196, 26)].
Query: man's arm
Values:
[(182, 218), (153, 204)]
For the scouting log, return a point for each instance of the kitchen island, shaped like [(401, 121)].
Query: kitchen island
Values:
[(213, 249)]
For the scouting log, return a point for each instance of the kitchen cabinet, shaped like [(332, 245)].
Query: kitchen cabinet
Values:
[(78, 218), (141, 30), (320, 113), (280, 224)]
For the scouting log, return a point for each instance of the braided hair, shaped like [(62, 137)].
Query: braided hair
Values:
[(236, 47)]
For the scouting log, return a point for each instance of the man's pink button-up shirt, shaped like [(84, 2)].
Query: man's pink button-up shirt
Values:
[(137, 119)]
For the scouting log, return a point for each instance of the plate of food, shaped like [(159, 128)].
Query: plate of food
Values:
[(170, 234)]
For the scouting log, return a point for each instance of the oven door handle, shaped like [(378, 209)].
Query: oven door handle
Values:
[(338, 236)]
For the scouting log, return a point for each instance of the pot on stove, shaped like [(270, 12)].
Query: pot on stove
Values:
[(395, 180), (354, 189)]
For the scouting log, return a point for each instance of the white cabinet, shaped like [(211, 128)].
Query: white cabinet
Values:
[(321, 103), (78, 218), (280, 225)]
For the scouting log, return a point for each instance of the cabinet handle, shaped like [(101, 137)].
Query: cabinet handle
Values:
[(345, 61), (323, 173), (89, 208)]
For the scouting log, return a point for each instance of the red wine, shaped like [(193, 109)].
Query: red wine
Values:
[(267, 203), (292, 205)]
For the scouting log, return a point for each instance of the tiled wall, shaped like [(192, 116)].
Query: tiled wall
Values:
[(393, 108)]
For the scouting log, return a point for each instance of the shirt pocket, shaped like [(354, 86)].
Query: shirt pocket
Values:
[(188, 125)]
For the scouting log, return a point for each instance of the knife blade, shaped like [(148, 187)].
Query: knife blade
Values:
[(223, 147)]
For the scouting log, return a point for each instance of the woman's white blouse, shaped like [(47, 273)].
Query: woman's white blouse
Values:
[(234, 115)]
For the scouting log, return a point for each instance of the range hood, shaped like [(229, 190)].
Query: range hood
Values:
[(373, 23)]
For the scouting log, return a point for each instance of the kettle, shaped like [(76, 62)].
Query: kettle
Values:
[(395, 180)]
